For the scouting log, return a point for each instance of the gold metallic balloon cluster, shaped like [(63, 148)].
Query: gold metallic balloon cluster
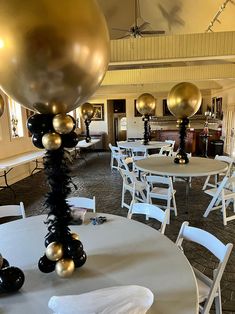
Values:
[(64, 266), (52, 58), (87, 111), (146, 104)]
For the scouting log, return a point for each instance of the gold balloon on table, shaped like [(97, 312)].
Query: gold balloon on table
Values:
[(145, 104), (51, 141), (184, 100), (63, 123), (64, 267), (1, 105), (87, 111), (53, 54), (75, 236), (54, 251)]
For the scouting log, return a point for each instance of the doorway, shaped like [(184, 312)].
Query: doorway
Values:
[(117, 124)]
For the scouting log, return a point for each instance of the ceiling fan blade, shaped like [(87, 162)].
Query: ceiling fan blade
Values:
[(143, 26), (126, 36), (121, 29), (153, 32)]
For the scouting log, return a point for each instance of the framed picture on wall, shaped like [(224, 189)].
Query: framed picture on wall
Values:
[(219, 112), (213, 106), (98, 112), (136, 112)]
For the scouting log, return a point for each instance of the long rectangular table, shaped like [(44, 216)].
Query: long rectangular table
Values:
[(7, 164)]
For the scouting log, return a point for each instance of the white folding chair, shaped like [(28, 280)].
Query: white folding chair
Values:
[(12, 210), (164, 151), (171, 142), (151, 211), (161, 188), (222, 197), (116, 154), (226, 159), (83, 202), (209, 289), (139, 151), (135, 187)]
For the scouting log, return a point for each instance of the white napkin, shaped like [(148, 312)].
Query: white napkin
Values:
[(114, 300)]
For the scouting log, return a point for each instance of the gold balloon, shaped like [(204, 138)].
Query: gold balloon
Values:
[(53, 56), (1, 105), (87, 111), (63, 123), (51, 141), (75, 236), (184, 100), (145, 104), (65, 267), (54, 251)]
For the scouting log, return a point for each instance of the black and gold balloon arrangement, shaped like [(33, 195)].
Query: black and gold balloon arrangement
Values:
[(52, 65), (87, 111), (146, 104), (11, 278), (183, 101)]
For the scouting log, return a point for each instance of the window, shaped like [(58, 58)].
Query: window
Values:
[(15, 118)]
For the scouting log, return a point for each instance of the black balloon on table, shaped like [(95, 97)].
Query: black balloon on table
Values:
[(52, 237), (5, 263), (40, 123), (69, 140), (11, 279), (78, 262), (74, 248), (45, 265), (37, 140)]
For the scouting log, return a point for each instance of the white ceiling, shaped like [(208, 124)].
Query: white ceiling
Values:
[(174, 17)]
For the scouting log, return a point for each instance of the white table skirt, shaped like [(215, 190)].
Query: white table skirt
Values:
[(120, 252)]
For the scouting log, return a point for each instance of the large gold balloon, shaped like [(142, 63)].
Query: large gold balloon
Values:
[(53, 54), (64, 267), (63, 123), (87, 111), (54, 251), (184, 100), (1, 105), (51, 141), (145, 104)]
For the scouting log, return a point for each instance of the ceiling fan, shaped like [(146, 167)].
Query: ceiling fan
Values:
[(138, 30)]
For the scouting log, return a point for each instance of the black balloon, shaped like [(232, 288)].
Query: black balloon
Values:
[(75, 248), (40, 123), (52, 237), (5, 263), (74, 122), (11, 279), (79, 261), (45, 265), (69, 140), (37, 140)]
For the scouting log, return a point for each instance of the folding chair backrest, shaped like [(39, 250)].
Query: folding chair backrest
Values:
[(217, 248), (166, 150), (12, 210), (83, 202), (226, 159), (171, 142), (151, 211), (139, 151)]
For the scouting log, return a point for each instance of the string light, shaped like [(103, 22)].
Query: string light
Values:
[(216, 17)]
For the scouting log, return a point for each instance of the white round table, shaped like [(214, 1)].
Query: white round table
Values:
[(139, 144), (120, 252), (197, 166)]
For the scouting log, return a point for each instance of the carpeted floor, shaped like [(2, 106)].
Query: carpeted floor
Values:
[(94, 177)]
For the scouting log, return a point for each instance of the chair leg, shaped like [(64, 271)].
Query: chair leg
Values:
[(206, 182), (210, 206), (123, 195), (218, 303), (224, 212), (174, 204)]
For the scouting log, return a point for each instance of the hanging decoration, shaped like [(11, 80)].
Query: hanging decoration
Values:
[(52, 65), (183, 101), (146, 104), (87, 111)]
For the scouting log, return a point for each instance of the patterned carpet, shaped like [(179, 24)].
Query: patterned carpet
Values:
[(94, 177)]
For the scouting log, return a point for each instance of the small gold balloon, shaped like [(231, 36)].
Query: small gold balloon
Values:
[(53, 58), (87, 111), (1, 105), (63, 123), (51, 141), (184, 100), (181, 161), (65, 267), (75, 236), (146, 104), (54, 251)]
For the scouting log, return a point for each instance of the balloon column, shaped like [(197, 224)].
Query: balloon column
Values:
[(145, 105), (183, 101), (87, 111), (11, 278), (52, 60)]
